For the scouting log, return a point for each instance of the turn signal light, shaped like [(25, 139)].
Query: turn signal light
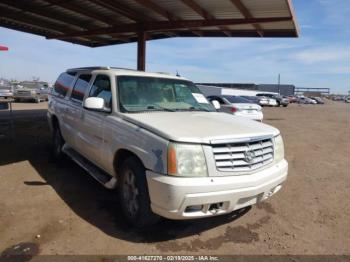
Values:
[(172, 169)]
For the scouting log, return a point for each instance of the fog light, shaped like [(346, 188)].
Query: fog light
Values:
[(191, 209)]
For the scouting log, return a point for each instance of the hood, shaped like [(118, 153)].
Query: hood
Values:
[(199, 127)]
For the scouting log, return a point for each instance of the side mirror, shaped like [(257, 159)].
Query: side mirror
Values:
[(94, 103), (216, 104)]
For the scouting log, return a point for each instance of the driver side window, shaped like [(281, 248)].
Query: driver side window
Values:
[(102, 88)]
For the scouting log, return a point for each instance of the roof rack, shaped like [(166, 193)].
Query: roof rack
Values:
[(88, 68), (97, 68)]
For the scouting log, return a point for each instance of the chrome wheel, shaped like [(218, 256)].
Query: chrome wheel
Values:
[(130, 193)]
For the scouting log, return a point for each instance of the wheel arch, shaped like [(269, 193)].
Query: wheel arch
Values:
[(121, 155)]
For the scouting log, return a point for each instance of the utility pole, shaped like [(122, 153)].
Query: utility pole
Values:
[(279, 84)]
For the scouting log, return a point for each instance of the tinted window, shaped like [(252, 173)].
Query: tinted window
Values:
[(102, 88), (80, 87), (237, 99), (63, 83), (211, 98)]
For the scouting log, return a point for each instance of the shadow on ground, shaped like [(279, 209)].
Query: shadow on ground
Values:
[(88, 199)]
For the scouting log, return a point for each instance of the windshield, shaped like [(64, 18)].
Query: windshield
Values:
[(238, 100), (139, 94)]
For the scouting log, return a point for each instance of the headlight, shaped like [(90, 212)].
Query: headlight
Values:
[(186, 160), (279, 148), (33, 92)]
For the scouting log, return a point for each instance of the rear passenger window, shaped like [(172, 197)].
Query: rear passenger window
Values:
[(63, 83), (80, 87), (102, 88)]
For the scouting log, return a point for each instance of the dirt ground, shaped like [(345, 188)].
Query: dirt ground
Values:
[(54, 209)]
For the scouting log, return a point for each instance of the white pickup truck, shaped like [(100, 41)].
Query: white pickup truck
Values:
[(164, 147)]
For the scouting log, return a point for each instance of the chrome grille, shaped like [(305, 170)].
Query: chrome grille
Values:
[(243, 156)]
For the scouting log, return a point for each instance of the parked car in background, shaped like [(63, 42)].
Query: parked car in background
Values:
[(32, 91), (238, 106), (337, 98), (318, 100), (292, 99), (347, 99), (281, 101), (272, 101), (158, 140), (6, 90), (259, 100), (306, 100)]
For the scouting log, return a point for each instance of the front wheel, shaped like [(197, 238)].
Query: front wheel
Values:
[(133, 194)]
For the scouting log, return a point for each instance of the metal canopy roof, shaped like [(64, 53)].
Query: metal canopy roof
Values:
[(107, 22)]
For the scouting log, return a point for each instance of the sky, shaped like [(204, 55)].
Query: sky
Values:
[(320, 57)]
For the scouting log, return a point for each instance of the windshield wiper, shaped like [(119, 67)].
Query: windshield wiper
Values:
[(157, 107), (192, 108)]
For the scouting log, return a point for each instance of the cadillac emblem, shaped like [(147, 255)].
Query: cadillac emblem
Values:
[(249, 156)]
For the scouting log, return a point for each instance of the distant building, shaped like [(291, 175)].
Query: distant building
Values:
[(286, 90), (248, 86)]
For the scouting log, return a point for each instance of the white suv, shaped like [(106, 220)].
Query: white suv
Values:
[(164, 147)]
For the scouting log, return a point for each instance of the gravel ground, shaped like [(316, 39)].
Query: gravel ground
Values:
[(50, 209)]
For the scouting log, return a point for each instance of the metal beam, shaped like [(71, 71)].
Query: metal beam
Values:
[(161, 11), (157, 9), (118, 7), (173, 25), (42, 11), (82, 11), (52, 28), (203, 13), (141, 51), (246, 13), (53, 16), (39, 31)]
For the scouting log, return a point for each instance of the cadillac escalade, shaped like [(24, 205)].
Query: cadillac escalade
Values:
[(157, 140)]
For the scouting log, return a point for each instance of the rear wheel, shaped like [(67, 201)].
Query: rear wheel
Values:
[(133, 194), (57, 144)]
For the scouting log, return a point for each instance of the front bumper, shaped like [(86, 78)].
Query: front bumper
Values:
[(188, 198)]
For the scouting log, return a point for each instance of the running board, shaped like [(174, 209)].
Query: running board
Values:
[(97, 173)]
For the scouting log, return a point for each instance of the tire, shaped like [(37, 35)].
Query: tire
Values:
[(133, 194), (57, 145), (285, 105), (278, 104)]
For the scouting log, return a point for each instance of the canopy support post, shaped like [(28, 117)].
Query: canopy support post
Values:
[(141, 51)]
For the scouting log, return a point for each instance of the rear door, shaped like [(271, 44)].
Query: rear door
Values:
[(60, 103), (74, 113)]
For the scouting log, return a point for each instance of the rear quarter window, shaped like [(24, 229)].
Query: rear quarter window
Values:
[(63, 84)]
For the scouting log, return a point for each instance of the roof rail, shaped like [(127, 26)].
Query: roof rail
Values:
[(97, 68), (89, 68), (123, 68)]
